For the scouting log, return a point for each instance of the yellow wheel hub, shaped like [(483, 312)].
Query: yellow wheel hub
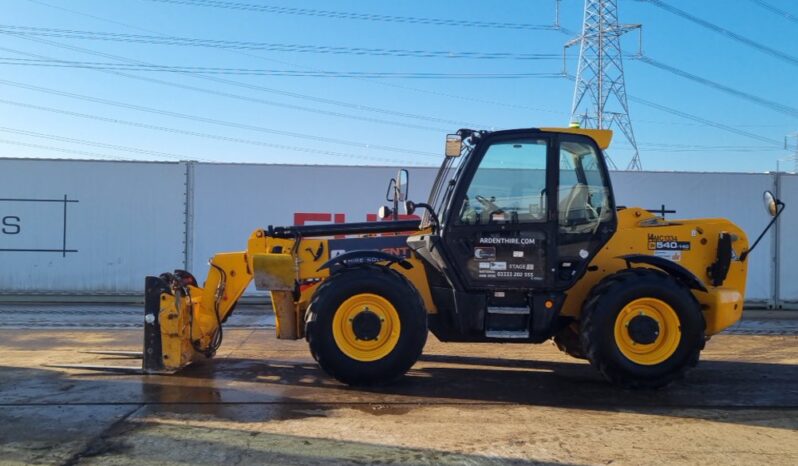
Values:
[(647, 331), (366, 327)]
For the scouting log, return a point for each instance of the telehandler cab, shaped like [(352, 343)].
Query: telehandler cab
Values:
[(521, 241)]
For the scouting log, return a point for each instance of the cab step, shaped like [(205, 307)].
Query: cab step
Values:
[(506, 310), (507, 322), (507, 334)]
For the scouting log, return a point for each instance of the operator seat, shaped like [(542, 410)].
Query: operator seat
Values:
[(572, 207)]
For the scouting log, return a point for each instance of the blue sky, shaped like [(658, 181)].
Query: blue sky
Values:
[(406, 119)]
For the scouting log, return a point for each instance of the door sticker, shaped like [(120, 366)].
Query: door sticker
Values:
[(498, 265), (485, 254), (674, 256), (509, 256)]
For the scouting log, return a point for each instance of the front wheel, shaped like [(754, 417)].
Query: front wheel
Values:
[(642, 328), (368, 325)]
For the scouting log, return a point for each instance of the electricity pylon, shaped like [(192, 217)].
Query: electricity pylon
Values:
[(600, 92)]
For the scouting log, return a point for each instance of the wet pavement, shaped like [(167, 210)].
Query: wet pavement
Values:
[(108, 316), (262, 400), (113, 316)]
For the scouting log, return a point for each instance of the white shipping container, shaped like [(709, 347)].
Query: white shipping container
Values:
[(85, 227), (788, 240), (126, 220)]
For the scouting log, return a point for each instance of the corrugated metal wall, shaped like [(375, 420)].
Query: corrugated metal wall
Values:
[(125, 220)]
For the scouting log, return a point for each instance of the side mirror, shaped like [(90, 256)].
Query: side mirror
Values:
[(402, 185), (397, 193), (771, 203), (774, 207), (398, 187), (454, 145)]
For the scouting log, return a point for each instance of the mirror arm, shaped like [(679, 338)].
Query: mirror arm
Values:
[(411, 207), (395, 213), (780, 206)]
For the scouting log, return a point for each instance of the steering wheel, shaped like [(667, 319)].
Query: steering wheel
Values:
[(490, 205), (591, 212)]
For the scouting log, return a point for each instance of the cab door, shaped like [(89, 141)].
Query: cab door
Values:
[(586, 217), (500, 230)]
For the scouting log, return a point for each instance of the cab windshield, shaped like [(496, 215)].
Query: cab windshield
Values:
[(509, 185)]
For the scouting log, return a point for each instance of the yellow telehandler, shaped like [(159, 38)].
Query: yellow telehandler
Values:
[(520, 242)]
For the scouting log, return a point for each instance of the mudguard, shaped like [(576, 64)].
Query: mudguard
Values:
[(365, 257), (683, 275)]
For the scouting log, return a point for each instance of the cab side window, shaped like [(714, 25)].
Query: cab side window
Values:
[(583, 196), (509, 185)]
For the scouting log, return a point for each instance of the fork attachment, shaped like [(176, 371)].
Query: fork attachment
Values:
[(154, 288)]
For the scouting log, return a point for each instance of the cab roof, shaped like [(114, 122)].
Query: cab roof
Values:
[(603, 137)]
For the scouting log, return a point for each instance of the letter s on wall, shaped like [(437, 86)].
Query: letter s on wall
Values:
[(11, 228)]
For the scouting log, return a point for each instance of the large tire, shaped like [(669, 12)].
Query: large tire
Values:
[(620, 340), (375, 359), (567, 340)]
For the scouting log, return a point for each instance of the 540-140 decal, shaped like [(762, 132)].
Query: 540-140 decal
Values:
[(667, 243)]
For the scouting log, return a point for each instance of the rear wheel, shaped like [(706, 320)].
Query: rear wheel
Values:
[(641, 328), (368, 325)]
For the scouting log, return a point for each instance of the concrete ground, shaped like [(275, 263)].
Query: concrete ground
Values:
[(265, 401)]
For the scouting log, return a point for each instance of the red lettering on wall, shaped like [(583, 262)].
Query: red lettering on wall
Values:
[(301, 218)]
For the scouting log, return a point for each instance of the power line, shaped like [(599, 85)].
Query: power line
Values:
[(697, 119), (670, 147), (198, 134), (693, 118), (85, 142), (360, 16), (687, 150), (704, 121), (265, 72), (396, 85), (252, 99), (704, 146), (213, 121), (786, 109), (359, 107), (774, 9), (271, 47), (786, 57), (60, 149), (681, 114), (644, 102), (210, 120), (239, 45)]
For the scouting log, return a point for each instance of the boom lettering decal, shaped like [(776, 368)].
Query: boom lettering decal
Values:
[(396, 245)]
